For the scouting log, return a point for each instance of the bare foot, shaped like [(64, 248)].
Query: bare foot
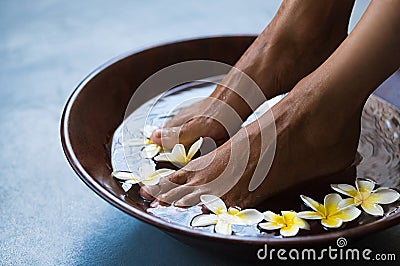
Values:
[(291, 47), (317, 124), (313, 140)]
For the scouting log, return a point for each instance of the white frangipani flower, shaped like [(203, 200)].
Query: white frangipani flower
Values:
[(148, 175), (178, 154), (365, 196), (332, 213), (224, 218), (150, 148), (289, 223)]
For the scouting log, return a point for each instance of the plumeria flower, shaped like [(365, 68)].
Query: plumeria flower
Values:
[(224, 218), (332, 213), (148, 175), (178, 154), (150, 148), (288, 223), (364, 195)]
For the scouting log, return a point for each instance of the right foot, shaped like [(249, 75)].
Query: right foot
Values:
[(285, 52)]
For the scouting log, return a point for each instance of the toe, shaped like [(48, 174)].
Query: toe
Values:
[(174, 179), (165, 137), (149, 192), (168, 137), (145, 194), (156, 136), (175, 194), (189, 200), (166, 184)]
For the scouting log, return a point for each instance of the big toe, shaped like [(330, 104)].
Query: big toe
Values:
[(168, 137), (188, 133)]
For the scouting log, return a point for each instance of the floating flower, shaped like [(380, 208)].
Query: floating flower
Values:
[(148, 175), (364, 195), (178, 154), (288, 223), (332, 213), (224, 218), (150, 148)]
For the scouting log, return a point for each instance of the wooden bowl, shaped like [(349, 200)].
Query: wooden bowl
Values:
[(97, 107)]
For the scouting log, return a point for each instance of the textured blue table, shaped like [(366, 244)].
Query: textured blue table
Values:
[(46, 48)]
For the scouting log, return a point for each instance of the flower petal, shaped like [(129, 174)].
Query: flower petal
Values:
[(331, 202), (204, 220), (301, 223), (270, 225), (151, 180), (179, 153), (164, 157), (223, 228), (164, 172), (313, 204), (150, 150), (345, 189), (332, 222), (249, 217), (365, 185), (272, 217), (148, 130), (126, 186), (146, 169), (228, 218), (132, 181), (310, 215), (154, 178), (288, 216), (124, 175), (383, 196), (345, 203), (347, 214), (213, 203), (233, 210), (194, 148), (134, 142), (289, 230), (373, 209)]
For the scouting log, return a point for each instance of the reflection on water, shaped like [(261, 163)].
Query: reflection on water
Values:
[(378, 155), (379, 143)]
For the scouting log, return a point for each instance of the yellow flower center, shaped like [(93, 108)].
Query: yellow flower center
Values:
[(233, 211), (289, 223), (219, 210), (361, 197)]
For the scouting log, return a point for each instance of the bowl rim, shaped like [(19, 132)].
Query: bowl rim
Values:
[(350, 233)]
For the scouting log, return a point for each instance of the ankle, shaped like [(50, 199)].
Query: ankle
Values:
[(310, 20)]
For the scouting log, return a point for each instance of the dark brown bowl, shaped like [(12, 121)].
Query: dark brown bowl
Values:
[(97, 107)]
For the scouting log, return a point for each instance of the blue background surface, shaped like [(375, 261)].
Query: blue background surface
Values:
[(47, 47)]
